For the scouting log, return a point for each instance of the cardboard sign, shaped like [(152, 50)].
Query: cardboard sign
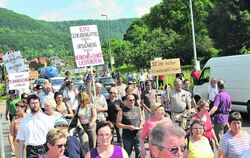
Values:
[(167, 66), (19, 81), (33, 74), (86, 44)]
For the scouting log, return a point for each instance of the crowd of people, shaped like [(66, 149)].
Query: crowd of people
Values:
[(77, 124)]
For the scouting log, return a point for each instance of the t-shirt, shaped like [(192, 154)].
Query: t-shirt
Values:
[(233, 147), (112, 112), (150, 124), (12, 105), (85, 114), (100, 102), (74, 148), (200, 149), (149, 98), (223, 102)]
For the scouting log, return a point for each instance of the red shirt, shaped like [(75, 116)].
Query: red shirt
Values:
[(195, 74), (208, 125)]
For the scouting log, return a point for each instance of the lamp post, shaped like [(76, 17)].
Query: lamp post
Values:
[(107, 19), (193, 35)]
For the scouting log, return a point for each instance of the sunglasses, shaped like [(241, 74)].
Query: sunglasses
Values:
[(174, 150), (131, 100), (60, 145)]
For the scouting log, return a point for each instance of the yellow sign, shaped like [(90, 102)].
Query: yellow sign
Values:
[(33, 74), (167, 66)]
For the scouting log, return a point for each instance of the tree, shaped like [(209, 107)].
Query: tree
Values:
[(228, 25)]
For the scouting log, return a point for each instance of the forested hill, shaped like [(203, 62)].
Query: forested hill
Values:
[(37, 37)]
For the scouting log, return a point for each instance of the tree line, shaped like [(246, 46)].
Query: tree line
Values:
[(222, 27)]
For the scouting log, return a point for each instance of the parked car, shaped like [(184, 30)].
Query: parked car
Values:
[(56, 82), (105, 81)]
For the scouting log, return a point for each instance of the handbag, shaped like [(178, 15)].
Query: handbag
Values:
[(74, 120)]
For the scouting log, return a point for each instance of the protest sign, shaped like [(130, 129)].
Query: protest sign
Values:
[(86, 44), (19, 81), (163, 67), (33, 74), (13, 62)]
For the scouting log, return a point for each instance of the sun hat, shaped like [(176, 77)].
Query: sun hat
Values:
[(61, 121)]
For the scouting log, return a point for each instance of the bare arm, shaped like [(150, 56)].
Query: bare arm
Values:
[(212, 111), (119, 123), (87, 155), (220, 154), (11, 136), (124, 154), (20, 148), (70, 114)]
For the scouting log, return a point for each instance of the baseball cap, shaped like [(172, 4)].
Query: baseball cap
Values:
[(155, 106), (11, 91), (61, 121), (113, 90)]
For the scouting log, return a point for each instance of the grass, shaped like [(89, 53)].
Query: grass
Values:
[(187, 69)]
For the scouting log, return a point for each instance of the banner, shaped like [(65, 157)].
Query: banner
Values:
[(19, 81), (13, 62), (163, 67), (86, 44)]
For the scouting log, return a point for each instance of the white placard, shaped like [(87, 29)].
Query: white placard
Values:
[(10, 57), (17, 66), (19, 81), (13, 62), (86, 44)]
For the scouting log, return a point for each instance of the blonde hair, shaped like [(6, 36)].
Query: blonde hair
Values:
[(201, 103), (50, 102), (53, 135), (84, 98)]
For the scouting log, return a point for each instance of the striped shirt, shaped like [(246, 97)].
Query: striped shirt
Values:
[(233, 147)]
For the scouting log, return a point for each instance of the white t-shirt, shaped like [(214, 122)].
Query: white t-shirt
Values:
[(34, 128), (72, 95), (212, 92)]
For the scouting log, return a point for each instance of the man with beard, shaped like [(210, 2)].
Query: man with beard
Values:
[(33, 130)]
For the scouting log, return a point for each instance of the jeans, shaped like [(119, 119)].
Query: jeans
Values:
[(130, 143), (220, 129), (90, 130)]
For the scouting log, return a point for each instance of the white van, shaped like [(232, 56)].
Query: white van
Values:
[(235, 71)]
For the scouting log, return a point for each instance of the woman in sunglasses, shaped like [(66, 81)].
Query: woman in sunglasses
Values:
[(198, 145), (21, 108), (56, 143), (105, 149)]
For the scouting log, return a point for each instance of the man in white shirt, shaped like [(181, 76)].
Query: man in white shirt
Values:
[(33, 130), (70, 95), (101, 104), (212, 91)]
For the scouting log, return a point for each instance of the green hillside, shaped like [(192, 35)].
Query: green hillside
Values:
[(36, 37)]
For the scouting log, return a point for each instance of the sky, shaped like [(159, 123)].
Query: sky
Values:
[(63, 10)]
